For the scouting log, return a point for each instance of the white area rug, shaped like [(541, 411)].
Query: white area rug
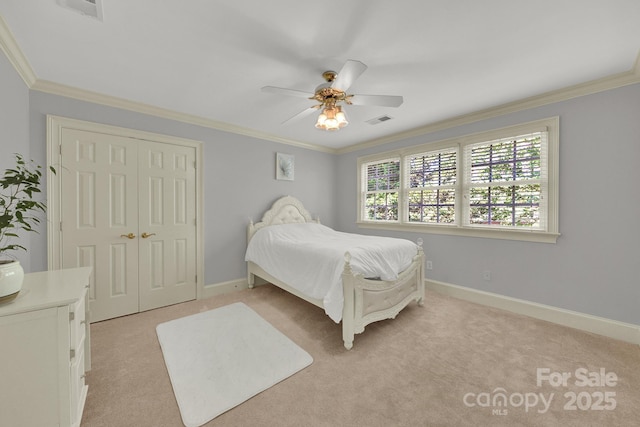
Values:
[(220, 358)]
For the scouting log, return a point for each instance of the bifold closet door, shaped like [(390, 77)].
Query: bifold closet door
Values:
[(128, 211), (167, 223), (99, 177)]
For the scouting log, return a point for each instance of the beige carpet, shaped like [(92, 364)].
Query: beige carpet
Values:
[(438, 365)]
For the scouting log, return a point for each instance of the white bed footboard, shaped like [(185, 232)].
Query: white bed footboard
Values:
[(367, 301)]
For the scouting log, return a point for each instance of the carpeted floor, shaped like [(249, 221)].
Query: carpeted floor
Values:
[(449, 363)]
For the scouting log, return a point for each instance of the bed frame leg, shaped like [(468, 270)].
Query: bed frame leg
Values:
[(348, 312), (420, 278), (251, 280), (347, 332)]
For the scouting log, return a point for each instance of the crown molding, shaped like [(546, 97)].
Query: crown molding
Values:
[(13, 53), (599, 85), (139, 107)]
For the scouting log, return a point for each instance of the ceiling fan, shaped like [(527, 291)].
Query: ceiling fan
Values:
[(332, 93)]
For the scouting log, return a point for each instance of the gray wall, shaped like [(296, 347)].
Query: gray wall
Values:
[(593, 266), (14, 130)]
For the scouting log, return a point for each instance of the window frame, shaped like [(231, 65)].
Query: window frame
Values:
[(367, 192), (459, 228), (406, 163)]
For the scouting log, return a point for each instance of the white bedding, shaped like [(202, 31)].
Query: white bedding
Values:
[(310, 258)]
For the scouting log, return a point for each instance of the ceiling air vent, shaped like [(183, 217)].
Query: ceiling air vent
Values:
[(377, 120), (92, 8)]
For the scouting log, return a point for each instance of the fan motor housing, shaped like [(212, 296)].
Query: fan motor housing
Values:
[(329, 75)]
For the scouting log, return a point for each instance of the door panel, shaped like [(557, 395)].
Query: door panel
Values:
[(99, 205), (167, 214)]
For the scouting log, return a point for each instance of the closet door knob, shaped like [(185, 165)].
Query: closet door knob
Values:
[(128, 236), (145, 235)]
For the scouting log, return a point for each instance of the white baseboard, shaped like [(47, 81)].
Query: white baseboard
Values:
[(226, 287), (598, 325)]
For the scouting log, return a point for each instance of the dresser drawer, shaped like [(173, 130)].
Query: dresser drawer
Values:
[(77, 318), (78, 391)]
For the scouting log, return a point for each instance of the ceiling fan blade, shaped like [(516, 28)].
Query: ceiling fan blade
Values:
[(289, 92), (302, 114), (350, 71), (380, 100)]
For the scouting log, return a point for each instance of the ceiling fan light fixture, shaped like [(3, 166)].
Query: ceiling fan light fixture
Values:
[(341, 117), (333, 92), (332, 118)]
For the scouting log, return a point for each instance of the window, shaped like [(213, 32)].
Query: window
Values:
[(432, 186), (383, 189), (500, 184), (506, 186)]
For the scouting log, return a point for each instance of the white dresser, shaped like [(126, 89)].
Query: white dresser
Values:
[(45, 350)]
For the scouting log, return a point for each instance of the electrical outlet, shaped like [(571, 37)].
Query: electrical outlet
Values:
[(429, 265), (486, 275)]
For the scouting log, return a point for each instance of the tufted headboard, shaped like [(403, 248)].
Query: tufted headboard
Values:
[(285, 210)]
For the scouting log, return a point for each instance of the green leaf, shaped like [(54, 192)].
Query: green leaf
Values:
[(17, 204)]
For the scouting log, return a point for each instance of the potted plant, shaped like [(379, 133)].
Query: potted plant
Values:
[(19, 208)]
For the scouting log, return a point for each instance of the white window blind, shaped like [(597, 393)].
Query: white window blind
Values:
[(382, 190), (505, 182), (432, 180)]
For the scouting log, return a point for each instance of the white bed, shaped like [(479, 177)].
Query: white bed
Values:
[(356, 279)]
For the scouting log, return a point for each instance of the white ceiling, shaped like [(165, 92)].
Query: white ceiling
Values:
[(209, 59)]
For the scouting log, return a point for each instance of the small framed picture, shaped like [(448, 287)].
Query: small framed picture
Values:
[(284, 166)]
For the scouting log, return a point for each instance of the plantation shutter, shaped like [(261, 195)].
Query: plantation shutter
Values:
[(506, 182), (381, 190), (431, 181)]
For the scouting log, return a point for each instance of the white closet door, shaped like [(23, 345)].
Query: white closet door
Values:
[(167, 224), (128, 209), (99, 201)]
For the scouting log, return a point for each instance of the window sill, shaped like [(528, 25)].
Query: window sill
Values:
[(521, 235)]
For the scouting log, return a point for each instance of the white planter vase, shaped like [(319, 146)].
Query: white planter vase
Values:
[(11, 277)]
